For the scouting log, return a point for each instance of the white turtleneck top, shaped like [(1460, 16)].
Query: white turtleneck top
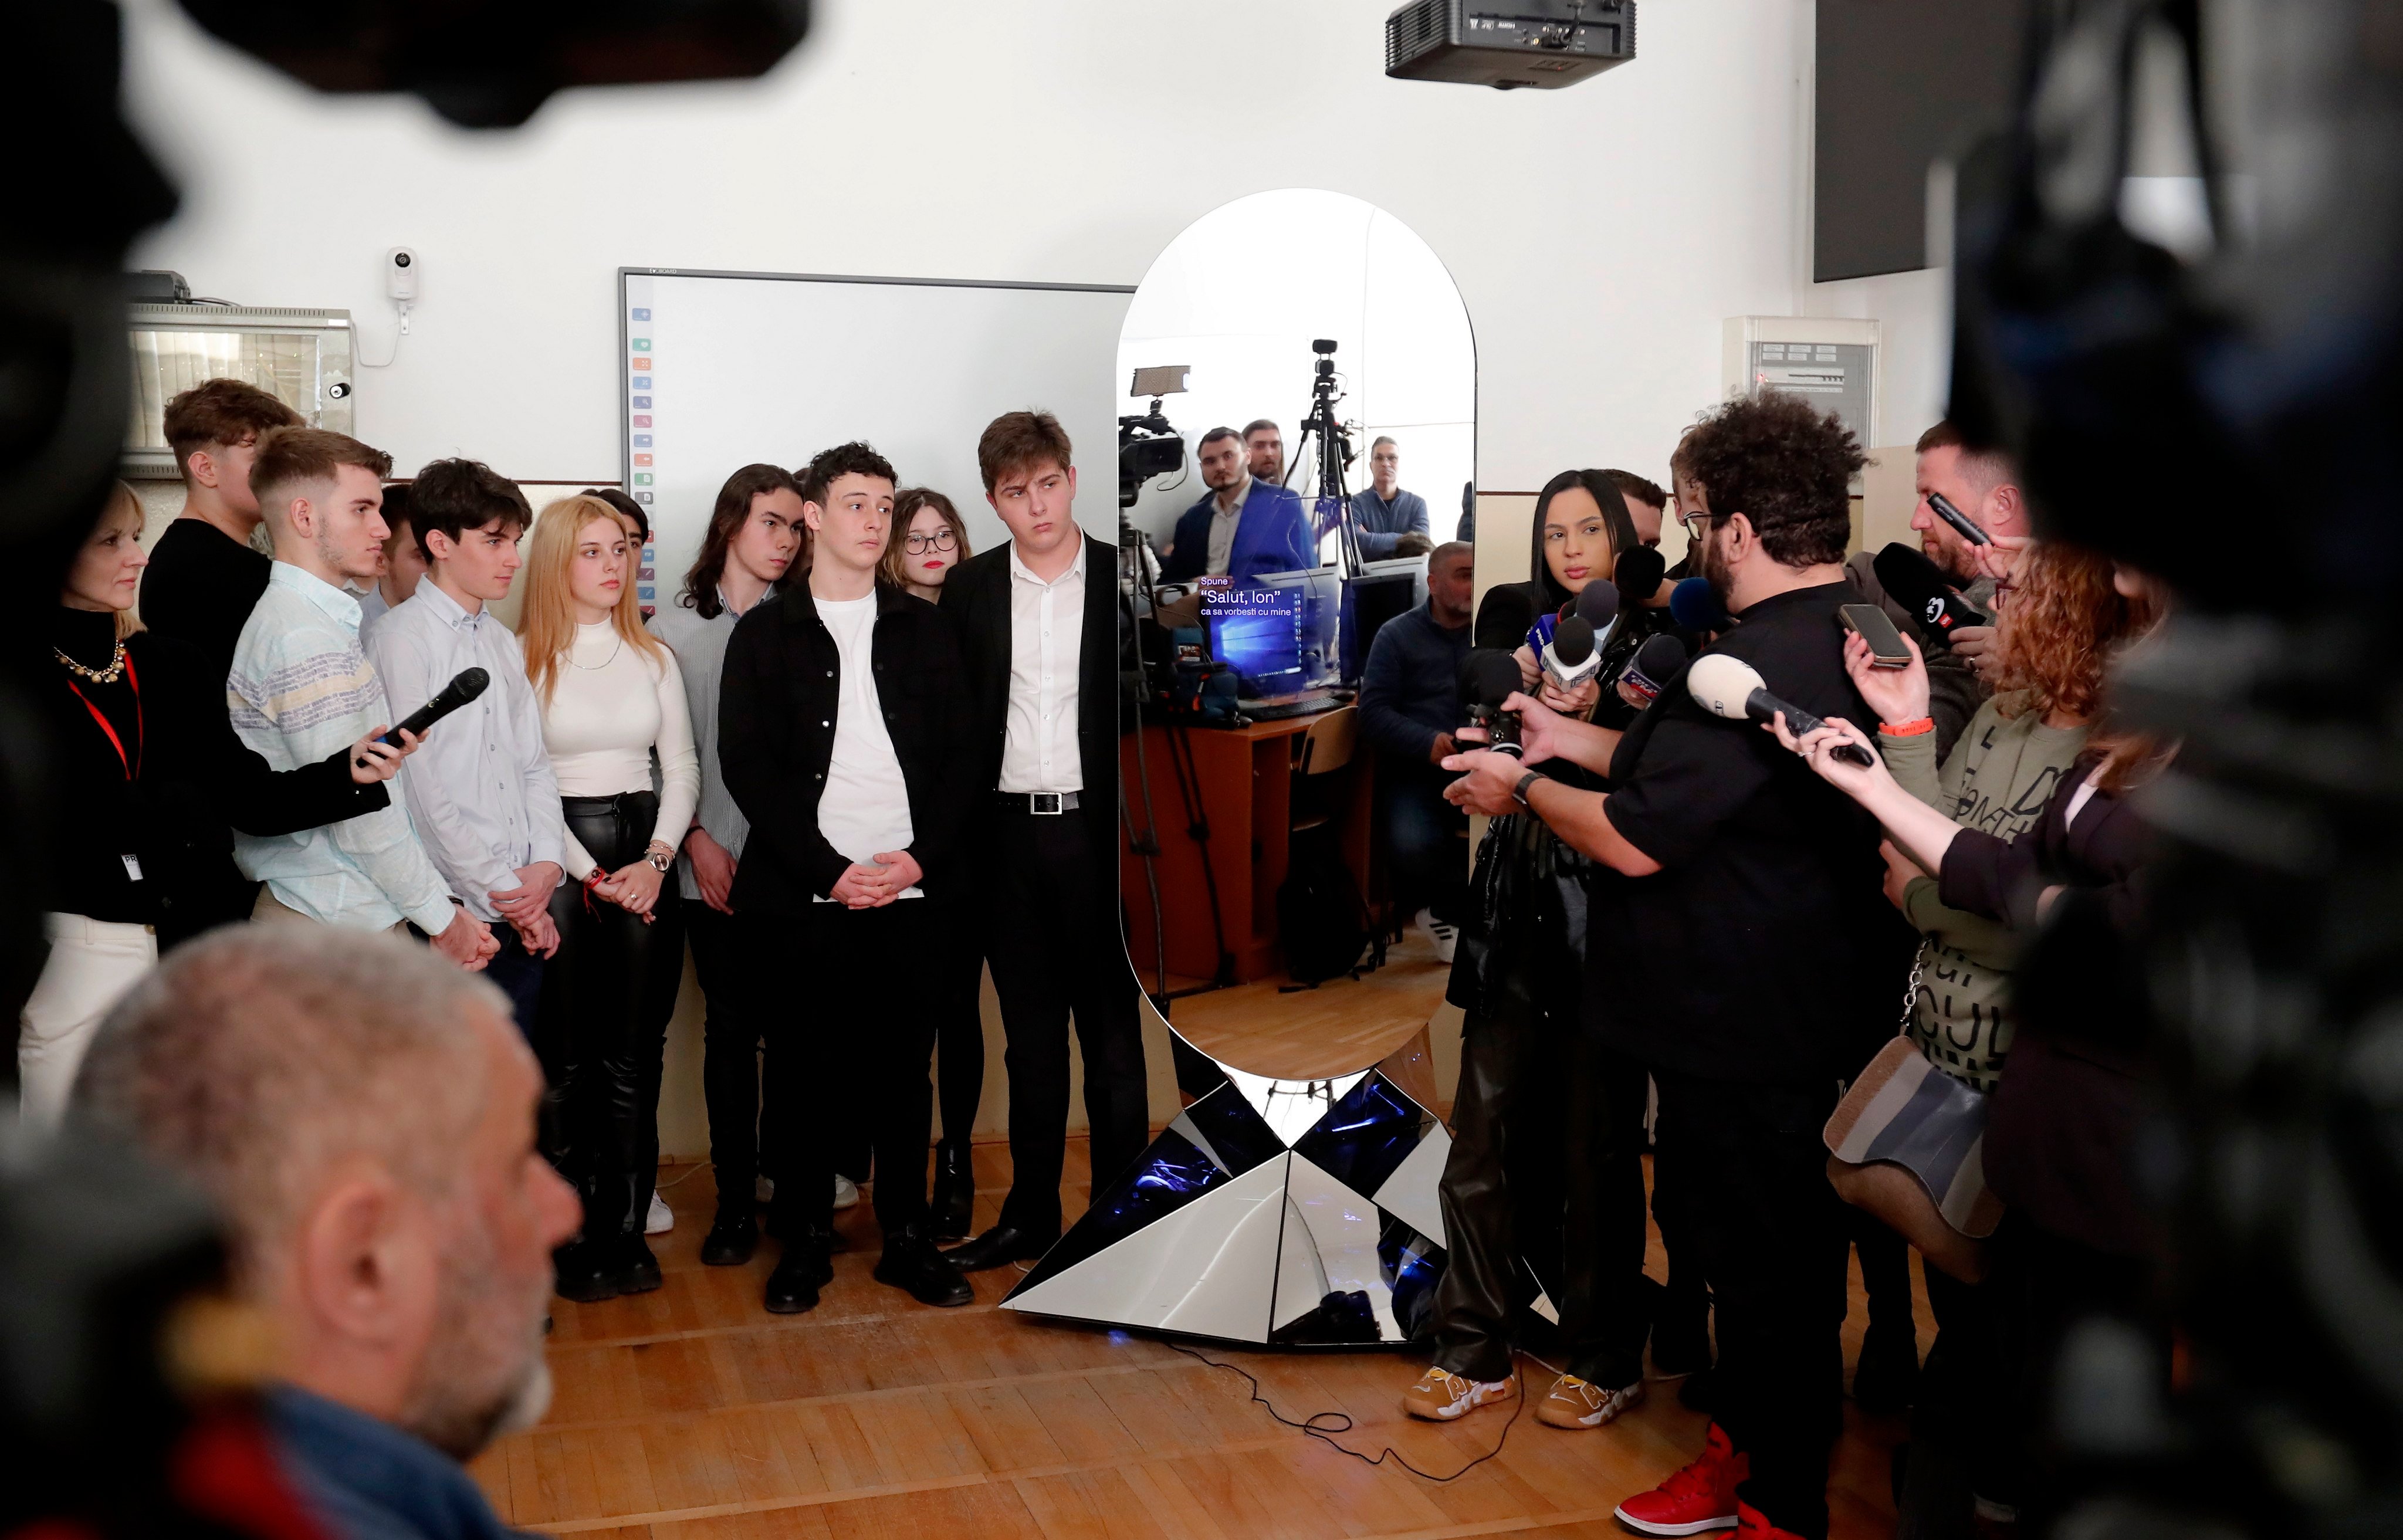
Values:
[(611, 706)]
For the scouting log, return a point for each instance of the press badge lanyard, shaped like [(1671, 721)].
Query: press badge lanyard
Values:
[(141, 740)]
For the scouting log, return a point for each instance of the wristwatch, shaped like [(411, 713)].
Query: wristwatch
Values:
[(661, 858), (1520, 791)]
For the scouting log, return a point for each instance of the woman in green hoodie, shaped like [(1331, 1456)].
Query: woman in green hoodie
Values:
[(2058, 619)]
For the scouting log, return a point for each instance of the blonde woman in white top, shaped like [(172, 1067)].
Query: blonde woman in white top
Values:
[(612, 698)]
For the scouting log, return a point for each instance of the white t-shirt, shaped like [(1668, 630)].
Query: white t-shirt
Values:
[(865, 808)]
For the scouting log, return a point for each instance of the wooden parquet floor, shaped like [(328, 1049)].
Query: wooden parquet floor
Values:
[(692, 1414)]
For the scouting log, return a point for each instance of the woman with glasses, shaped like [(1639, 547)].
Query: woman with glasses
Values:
[(930, 540), (612, 697)]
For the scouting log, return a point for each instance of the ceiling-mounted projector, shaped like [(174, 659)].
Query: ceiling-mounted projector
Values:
[(1506, 44)]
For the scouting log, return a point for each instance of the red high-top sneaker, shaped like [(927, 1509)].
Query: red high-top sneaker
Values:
[(1699, 1497)]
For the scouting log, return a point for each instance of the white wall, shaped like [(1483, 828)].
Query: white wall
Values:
[(1598, 234)]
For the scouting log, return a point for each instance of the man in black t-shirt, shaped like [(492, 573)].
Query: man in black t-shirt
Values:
[(204, 577), (1739, 945)]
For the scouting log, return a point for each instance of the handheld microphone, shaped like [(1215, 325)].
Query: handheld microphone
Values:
[(1695, 605), (1918, 585), (1638, 576), (1654, 663), (464, 687), (1574, 655), (1570, 658), (1492, 677), (1962, 525), (1733, 689)]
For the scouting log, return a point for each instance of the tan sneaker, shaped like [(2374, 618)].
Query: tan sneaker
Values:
[(1576, 1403), (1442, 1395)]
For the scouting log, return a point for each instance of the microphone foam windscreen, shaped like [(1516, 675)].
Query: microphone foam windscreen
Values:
[(1722, 684), (1638, 575), (1695, 605), (1573, 642), (1915, 583), (1661, 656), (1503, 618), (1599, 604), (1496, 676)]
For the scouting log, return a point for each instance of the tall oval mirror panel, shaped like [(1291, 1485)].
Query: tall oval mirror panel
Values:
[(1298, 386)]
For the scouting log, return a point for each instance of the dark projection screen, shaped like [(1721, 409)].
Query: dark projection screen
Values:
[(1901, 83)]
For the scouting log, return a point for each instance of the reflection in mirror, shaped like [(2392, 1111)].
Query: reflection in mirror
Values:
[(1298, 385)]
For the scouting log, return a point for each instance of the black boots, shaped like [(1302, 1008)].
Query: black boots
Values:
[(732, 1237), (948, 1216), (806, 1266), (590, 1271)]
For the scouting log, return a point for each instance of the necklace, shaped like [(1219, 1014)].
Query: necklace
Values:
[(108, 675), (589, 668)]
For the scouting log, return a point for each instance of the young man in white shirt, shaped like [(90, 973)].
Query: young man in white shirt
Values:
[(300, 687), (482, 795), (1038, 624), (843, 737)]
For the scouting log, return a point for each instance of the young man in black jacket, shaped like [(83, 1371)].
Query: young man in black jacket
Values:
[(1037, 625), (842, 734)]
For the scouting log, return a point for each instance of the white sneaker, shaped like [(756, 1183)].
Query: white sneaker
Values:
[(661, 1218), (763, 1189), (1445, 937), (846, 1191)]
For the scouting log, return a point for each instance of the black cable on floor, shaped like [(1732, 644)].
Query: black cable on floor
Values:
[(1341, 1421)]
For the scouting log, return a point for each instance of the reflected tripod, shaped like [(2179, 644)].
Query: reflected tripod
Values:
[(1335, 456)]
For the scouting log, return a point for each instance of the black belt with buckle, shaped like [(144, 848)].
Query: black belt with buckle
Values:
[(1044, 804)]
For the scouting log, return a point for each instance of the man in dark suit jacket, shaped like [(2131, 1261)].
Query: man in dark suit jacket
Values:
[(1262, 526), (1038, 635)]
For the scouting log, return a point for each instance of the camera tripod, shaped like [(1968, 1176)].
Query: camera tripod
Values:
[(1335, 456)]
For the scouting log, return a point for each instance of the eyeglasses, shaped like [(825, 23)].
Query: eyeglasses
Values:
[(1694, 523), (918, 545)]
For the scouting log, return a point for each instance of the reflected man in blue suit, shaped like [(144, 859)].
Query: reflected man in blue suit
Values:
[(1244, 527)]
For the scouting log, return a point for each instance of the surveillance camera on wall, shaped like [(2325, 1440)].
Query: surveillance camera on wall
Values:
[(400, 273)]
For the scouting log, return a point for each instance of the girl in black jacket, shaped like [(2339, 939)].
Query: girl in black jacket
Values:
[(150, 777)]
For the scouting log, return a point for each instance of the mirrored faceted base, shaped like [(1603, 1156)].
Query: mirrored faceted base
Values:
[(1297, 1212)]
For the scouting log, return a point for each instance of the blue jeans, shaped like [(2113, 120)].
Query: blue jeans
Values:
[(519, 974), (1427, 839)]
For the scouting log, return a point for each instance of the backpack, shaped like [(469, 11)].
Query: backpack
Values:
[(1322, 924)]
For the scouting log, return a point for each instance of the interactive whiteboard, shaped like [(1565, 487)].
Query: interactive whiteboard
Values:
[(721, 369)]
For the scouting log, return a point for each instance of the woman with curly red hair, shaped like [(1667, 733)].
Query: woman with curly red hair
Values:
[(2060, 618)]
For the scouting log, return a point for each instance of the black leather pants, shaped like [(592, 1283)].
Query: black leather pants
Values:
[(604, 1032), (1546, 1130), (1544, 1174)]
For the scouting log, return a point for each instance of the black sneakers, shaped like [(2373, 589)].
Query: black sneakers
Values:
[(912, 1263)]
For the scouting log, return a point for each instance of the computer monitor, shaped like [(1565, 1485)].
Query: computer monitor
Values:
[(1277, 631), (1318, 593)]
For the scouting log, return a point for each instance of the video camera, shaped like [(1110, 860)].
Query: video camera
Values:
[(1148, 444)]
